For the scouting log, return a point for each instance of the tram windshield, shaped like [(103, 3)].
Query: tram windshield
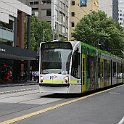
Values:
[(55, 61)]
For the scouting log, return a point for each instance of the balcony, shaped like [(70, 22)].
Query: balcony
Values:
[(6, 34)]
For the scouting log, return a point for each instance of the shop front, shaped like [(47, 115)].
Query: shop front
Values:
[(14, 63)]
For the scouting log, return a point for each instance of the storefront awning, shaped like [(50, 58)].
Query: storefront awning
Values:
[(16, 53)]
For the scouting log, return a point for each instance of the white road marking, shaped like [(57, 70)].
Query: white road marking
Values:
[(121, 121)]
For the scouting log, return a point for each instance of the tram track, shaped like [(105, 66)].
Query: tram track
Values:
[(17, 95), (16, 91), (25, 100), (28, 109)]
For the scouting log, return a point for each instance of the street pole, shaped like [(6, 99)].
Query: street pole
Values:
[(28, 43)]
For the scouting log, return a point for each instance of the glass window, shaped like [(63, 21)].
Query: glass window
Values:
[(36, 2), (75, 64), (34, 9), (72, 13), (114, 70), (72, 24), (72, 2), (48, 12), (31, 3), (55, 60)]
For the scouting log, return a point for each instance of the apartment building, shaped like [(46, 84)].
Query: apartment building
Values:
[(56, 12), (121, 12), (12, 52), (110, 7), (79, 8), (106, 6)]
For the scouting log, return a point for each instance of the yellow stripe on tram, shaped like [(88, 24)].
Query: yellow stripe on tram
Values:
[(53, 81), (73, 81), (59, 81)]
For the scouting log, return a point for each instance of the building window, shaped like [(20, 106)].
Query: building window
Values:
[(121, 14), (72, 24), (31, 3), (72, 2), (48, 12), (120, 18), (46, 2), (63, 29), (34, 9), (72, 13), (36, 3)]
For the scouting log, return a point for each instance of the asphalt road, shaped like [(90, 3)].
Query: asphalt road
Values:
[(31, 107)]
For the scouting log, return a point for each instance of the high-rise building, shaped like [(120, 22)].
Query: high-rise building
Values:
[(114, 9), (106, 6), (110, 7), (121, 12), (79, 8), (54, 11)]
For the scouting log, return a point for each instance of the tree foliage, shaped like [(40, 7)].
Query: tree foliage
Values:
[(100, 31), (40, 32)]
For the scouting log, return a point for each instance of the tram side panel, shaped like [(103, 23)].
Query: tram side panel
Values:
[(89, 69)]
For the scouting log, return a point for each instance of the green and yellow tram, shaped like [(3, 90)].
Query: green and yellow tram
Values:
[(75, 67)]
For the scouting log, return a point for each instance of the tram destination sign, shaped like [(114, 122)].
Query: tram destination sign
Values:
[(56, 45)]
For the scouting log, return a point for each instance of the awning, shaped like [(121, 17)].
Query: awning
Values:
[(16, 53)]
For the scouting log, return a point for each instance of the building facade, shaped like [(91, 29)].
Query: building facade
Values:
[(12, 52), (121, 12), (110, 7), (115, 13), (56, 12), (79, 8), (106, 6)]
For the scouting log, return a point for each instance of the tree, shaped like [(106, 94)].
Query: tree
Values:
[(40, 32), (100, 31)]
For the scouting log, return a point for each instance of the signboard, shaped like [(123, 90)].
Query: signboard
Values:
[(56, 45), (83, 3)]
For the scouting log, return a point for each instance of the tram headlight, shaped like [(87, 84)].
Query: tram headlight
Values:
[(66, 79)]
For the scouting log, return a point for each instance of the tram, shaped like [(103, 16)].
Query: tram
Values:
[(76, 67)]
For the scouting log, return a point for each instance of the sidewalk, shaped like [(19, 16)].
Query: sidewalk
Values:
[(12, 84)]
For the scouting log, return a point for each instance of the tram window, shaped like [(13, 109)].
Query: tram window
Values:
[(105, 70), (84, 71), (114, 69), (99, 68), (88, 67), (75, 64), (108, 70), (91, 68), (119, 71)]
